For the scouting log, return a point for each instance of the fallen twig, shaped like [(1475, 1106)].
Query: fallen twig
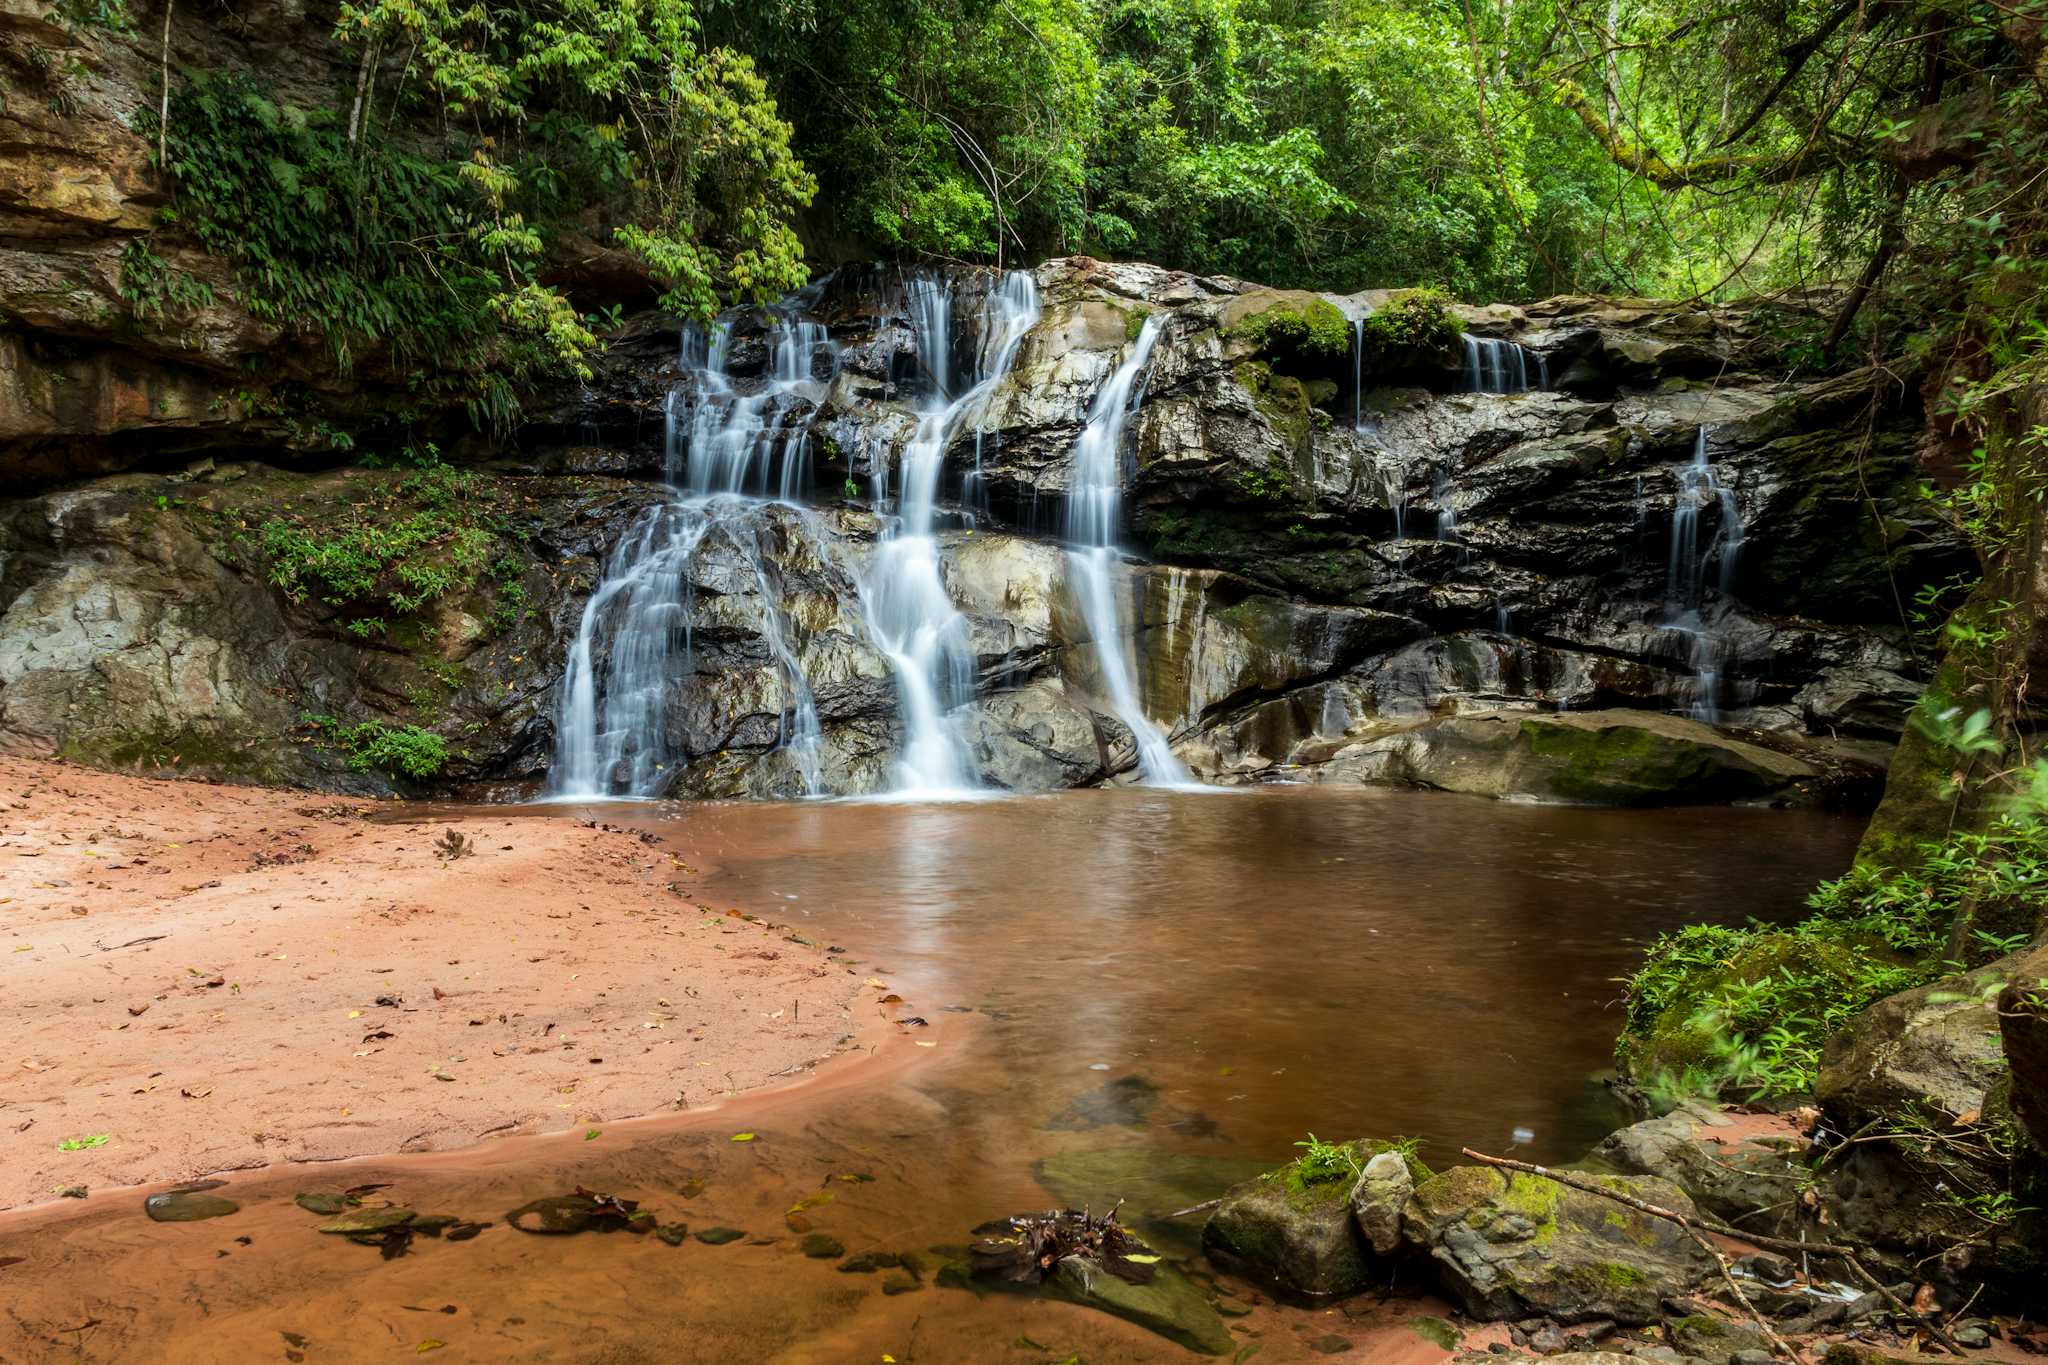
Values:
[(1194, 1208), (1696, 1226)]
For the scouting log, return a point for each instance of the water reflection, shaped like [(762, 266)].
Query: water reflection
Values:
[(1243, 971)]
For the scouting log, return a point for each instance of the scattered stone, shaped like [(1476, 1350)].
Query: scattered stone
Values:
[(820, 1247), (187, 1206), (868, 1262), (673, 1233), (899, 1283), (1974, 1335), (1752, 1358), (371, 1220), (557, 1215), (1509, 1244), (718, 1237), (1774, 1271), (1330, 1345), (1715, 1338), (1547, 1340), (71, 1191)]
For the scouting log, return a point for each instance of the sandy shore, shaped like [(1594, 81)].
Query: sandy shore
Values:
[(215, 978)]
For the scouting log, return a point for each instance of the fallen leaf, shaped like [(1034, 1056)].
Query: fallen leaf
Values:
[(201, 1093), (736, 1137), (79, 1144), (430, 1345), (138, 1010), (591, 1136)]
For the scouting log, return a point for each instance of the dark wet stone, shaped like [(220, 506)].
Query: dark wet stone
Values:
[(370, 1220), (820, 1247), (899, 1283), (690, 1189), (328, 1204), (1330, 1345), (673, 1233), (433, 1224), (718, 1237), (1125, 1102), (183, 1206), (555, 1215), (868, 1262)]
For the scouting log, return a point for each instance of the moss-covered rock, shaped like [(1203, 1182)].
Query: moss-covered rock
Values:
[(1510, 1245), (1292, 1228), (1607, 758)]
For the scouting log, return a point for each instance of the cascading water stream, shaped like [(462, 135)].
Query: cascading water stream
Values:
[(1496, 366), (1094, 498), (1687, 568), (911, 619), (733, 461)]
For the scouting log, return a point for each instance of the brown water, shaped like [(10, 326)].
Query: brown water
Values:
[(1130, 994)]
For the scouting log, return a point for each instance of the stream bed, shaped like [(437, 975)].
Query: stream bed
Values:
[(1129, 994)]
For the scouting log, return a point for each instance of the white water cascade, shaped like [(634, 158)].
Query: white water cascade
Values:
[(1094, 500), (734, 462), (910, 617), (1495, 366), (1687, 569)]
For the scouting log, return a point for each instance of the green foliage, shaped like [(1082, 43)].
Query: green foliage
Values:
[(155, 291), (430, 536), (1311, 330), (1418, 326), (401, 750), (1717, 1010)]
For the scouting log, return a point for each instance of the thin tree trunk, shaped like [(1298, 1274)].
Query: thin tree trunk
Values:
[(163, 112), (355, 110)]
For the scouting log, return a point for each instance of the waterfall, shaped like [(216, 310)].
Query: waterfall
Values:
[(910, 618), (1094, 498), (1358, 373), (1687, 567), (1494, 366), (731, 460)]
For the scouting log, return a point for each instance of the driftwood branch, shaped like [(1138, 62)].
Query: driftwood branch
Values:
[(1697, 1226)]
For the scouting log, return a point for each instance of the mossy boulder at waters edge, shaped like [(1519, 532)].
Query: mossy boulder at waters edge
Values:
[(1296, 1233), (1510, 1245), (1601, 758)]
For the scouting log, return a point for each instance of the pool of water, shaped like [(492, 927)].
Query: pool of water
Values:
[(1129, 995)]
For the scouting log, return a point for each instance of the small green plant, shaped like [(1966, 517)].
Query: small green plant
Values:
[(1322, 1162), (81, 1144), (404, 750)]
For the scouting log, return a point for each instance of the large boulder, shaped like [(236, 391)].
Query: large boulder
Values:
[(2023, 1026), (1509, 1245), (1929, 1055), (1745, 1178)]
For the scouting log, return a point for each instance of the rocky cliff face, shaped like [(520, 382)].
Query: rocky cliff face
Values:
[(1343, 543)]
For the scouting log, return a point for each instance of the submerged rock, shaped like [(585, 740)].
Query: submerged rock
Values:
[(1168, 1304), (1511, 1245), (187, 1206)]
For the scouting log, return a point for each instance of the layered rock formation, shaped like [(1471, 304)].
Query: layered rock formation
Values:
[(1348, 550)]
